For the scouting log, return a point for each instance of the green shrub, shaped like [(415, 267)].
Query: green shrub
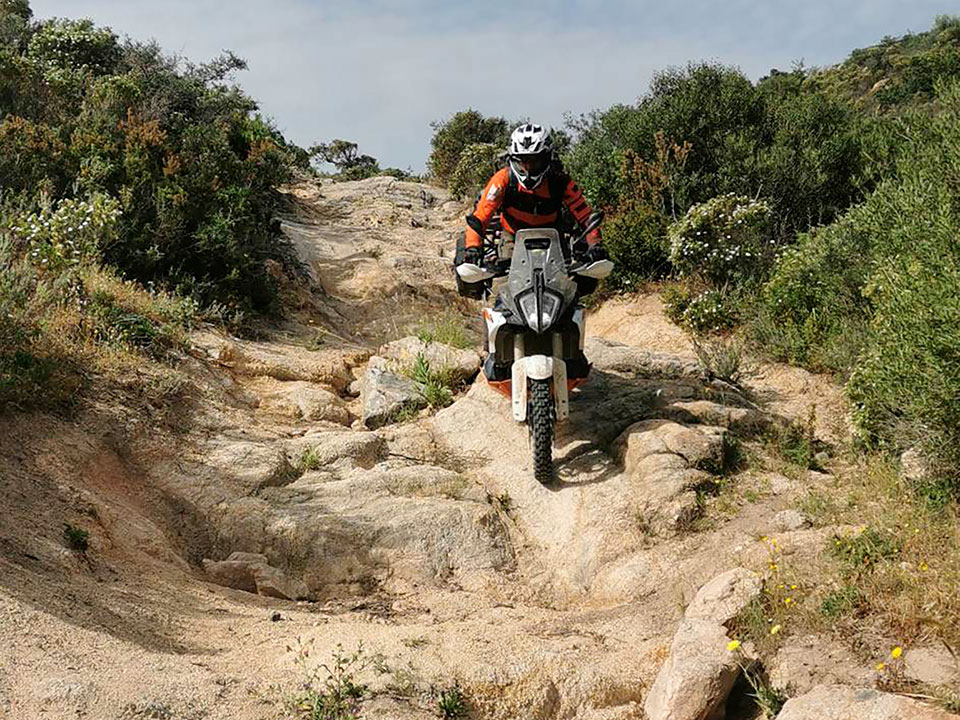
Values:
[(453, 136), (193, 168), (75, 46), (637, 244), (726, 240), (70, 233), (476, 164), (812, 311), (77, 539), (862, 551)]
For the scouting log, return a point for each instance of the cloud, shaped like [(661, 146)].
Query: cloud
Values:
[(379, 71)]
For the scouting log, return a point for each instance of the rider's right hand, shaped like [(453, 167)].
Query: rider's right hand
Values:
[(473, 255)]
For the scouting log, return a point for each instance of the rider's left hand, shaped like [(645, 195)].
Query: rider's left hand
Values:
[(595, 253)]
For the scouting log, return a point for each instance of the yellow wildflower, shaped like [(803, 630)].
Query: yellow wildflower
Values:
[(924, 567), (775, 629), (879, 667), (733, 645), (896, 652)]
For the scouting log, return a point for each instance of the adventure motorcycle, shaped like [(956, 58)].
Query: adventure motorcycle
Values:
[(535, 330)]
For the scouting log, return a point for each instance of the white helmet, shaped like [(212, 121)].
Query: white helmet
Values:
[(531, 153)]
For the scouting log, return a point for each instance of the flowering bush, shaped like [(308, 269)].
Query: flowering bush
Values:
[(726, 240), (709, 310), (70, 232)]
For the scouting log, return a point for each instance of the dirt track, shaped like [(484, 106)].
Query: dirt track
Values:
[(431, 545)]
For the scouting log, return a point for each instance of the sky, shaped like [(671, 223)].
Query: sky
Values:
[(378, 72)]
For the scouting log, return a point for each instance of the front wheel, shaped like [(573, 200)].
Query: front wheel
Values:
[(540, 418)]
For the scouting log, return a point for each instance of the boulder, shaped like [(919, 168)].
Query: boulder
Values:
[(251, 573), (699, 446), (836, 702), (667, 463), (342, 447), (460, 365), (384, 394), (711, 413), (300, 400), (697, 677), (726, 596), (253, 465)]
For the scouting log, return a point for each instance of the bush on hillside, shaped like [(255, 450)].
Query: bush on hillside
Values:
[(876, 295), (193, 169), (636, 240), (453, 136), (726, 240), (799, 150), (477, 163)]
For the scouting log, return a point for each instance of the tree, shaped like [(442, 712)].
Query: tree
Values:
[(344, 155), (451, 137)]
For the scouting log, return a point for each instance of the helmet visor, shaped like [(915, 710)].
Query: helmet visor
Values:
[(534, 165)]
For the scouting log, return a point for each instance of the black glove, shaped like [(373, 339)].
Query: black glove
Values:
[(595, 253), (473, 255)]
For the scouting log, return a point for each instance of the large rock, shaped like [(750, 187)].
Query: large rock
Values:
[(252, 465), (384, 394), (250, 572), (697, 677), (711, 413), (460, 365), (726, 596), (668, 462), (301, 400), (835, 702)]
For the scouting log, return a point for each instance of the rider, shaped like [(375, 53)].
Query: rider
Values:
[(529, 192)]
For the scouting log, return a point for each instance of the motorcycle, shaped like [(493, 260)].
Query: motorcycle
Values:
[(535, 331)]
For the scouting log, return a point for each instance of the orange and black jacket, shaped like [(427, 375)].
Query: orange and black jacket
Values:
[(521, 208)]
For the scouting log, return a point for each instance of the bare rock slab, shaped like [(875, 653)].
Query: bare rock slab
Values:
[(461, 365), (251, 573), (697, 677), (835, 702), (301, 400), (931, 666), (726, 596)]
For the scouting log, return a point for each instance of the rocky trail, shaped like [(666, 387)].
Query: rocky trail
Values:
[(286, 494)]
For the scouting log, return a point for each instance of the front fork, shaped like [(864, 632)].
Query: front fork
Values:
[(534, 367), (539, 367)]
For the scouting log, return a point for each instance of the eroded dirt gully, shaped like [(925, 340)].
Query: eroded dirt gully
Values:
[(428, 540)]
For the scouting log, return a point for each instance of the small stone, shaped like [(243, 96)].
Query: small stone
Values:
[(275, 617), (821, 458), (780, 484), (913, 465), (790, 520)]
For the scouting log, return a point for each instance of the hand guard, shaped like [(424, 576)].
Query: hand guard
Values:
[(473, 255), (595, 253)]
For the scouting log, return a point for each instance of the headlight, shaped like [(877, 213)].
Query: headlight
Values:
[(548, 310), (549, 307), (528, 306)]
